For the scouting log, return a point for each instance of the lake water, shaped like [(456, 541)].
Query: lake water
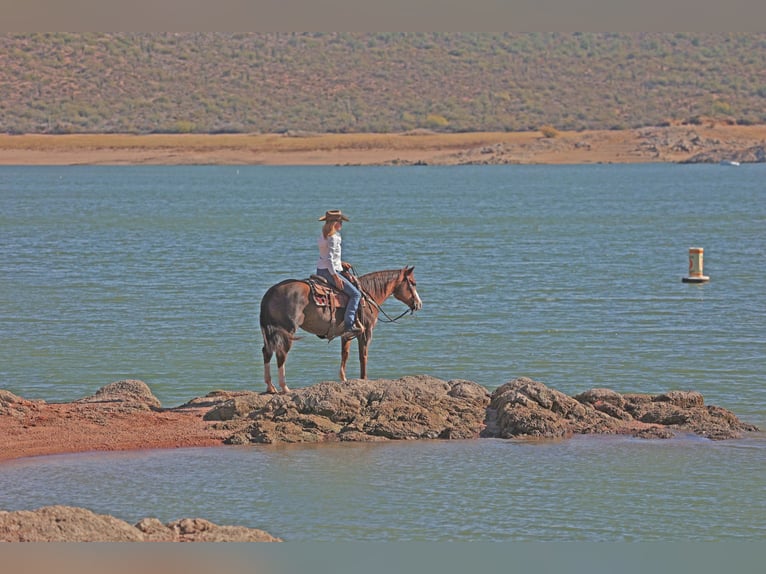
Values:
[(570, 275)]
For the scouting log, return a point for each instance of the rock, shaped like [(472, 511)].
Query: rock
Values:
[(199, 530), (681, 399), (601, 396), (654, 432), (753, 154), (64, 524), (8, 399), (685, 410), (16, 406), (415, 407), (237, 405), (427, 408), (72, 524), (127, 393), (527, 408), (605, 401)]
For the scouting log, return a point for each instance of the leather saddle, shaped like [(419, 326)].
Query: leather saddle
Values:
[(325, 295)]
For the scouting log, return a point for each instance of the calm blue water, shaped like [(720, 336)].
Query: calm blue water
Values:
[(570, 275)]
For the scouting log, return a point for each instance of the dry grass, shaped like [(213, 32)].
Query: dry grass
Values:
[(256, 142), (605, 146)]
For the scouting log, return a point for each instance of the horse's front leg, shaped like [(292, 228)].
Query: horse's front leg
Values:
[(363, 343), (345, 349)]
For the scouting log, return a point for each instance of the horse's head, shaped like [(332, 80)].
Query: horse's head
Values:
[(406, 290)]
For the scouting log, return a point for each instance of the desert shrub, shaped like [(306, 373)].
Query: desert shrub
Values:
[(549, 131), (182, 127), (435, 121)]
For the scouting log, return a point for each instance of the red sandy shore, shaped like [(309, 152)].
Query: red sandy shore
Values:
[(78, 427)]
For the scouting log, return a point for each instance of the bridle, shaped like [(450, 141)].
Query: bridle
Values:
[(374, 303)]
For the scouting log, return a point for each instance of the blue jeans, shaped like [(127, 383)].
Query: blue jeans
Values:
[(354, 295)]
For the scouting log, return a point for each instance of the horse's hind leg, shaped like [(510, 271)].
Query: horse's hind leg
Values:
[(270, 388), (281, 358)]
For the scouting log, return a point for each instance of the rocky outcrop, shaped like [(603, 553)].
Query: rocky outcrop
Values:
[(674, 140), (527, 408), (419, 407), (72, 524), (15, 406), (428, 408), (128, 393), (753, 154)]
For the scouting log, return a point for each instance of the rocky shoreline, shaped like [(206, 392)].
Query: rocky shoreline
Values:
[(126, 415)]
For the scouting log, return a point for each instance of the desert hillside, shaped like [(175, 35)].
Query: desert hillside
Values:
[(144, 83)]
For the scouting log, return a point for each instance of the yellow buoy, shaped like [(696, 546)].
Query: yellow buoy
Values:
[(696, 263)]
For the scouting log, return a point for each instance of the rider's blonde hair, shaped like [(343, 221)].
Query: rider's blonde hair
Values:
[(329, 228)]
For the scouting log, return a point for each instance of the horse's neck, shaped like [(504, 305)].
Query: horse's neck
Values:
[(379, 285)]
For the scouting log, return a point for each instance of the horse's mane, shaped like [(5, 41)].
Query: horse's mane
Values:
[(378, 283)]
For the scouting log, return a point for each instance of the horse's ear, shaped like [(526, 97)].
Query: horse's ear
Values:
[(409, 270)]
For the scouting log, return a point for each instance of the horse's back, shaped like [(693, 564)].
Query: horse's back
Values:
[(285, 286)]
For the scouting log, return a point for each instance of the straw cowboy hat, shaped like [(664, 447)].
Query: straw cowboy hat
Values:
[(332, 215)]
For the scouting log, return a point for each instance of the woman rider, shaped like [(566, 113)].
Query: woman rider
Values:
[(330, 266)]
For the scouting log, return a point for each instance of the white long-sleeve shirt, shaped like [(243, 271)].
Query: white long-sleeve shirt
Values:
[(329, 252)]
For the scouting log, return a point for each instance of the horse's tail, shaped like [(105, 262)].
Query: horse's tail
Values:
[(276, 340)]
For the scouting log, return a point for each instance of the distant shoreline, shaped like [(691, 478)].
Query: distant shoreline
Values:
[(669, 144)]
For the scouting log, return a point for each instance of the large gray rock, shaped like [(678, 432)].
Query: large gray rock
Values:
[(424, 407), (527, 408), (72, 524), (415, 407)]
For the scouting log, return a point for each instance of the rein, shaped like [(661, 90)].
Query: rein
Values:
[(371, 301), (388, 319)]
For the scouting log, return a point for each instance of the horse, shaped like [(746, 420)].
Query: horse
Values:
[(289, 305)]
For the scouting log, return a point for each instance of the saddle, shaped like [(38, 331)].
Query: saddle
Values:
[(326, 295)]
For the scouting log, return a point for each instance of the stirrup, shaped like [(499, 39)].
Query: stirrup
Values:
[(355, 330)]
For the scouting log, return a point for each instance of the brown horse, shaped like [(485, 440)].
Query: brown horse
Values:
[(289, 305)]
